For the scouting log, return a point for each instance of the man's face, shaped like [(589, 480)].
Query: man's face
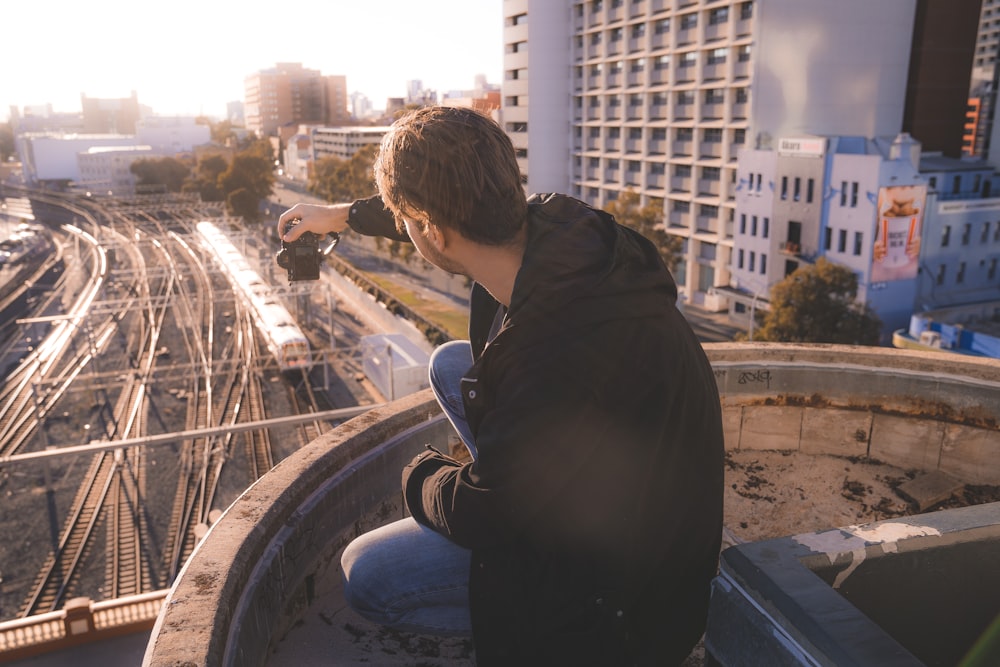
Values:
[(428, 250)]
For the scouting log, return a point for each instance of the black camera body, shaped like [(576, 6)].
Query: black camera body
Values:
[(303, 257)]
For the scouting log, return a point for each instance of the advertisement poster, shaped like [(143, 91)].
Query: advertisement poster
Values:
[(897, 232)]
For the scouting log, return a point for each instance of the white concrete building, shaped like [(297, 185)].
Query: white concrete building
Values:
[(659, 96), (54, 156), (344, 142), (170, 135), (107, 169)]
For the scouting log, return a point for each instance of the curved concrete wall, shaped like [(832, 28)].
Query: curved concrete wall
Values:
[(275, 549)]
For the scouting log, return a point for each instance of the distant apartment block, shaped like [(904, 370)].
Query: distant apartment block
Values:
[(344, 142), (288, 94), (110, 116), (664, 94)]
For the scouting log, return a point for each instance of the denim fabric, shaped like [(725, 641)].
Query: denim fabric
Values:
[(404, 575), (448, 364)]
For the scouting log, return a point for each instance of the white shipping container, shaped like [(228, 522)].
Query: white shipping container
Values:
[(394, 364)]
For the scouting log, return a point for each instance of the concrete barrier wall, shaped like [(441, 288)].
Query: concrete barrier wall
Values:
[(915, 410), (262, 561)]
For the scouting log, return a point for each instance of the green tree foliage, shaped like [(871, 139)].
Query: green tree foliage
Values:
[(168, 172), (206, 178), (252, 173), (818, 304), (338, 180), (6, 141), (243, 203), (648, 221)]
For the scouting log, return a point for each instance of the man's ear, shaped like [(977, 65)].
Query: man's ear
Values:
[(438, 236)]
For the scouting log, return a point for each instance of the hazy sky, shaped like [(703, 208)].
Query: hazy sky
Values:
[(192, 56)]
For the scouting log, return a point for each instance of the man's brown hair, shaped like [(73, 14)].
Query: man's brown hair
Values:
[(456, 167)]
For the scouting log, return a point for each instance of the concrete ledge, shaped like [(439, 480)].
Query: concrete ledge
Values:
[(238, 590), (276, 546), (913, 409)]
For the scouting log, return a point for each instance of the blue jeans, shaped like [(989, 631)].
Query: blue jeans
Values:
[(405, 575)]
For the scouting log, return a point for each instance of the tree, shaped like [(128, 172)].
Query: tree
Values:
[(168, 172), (206, 178), (6, 141), (648, 221), (337, 180), (252, 173), (818, 304)]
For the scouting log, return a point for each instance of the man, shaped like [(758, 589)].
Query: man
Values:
[(586, 529)]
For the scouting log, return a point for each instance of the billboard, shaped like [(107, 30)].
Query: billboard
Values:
[(898, 229)]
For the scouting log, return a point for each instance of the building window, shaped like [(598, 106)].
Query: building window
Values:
[(767, 227), (939, 280), (711, 173), (637, 65), (960, 276), (689, 21), (798, 188), (843, 193), (986, 233), (638, 30), (708, 211), (681, 206), (685, 134), (717, 16), (739, 259), (858, 243), (828, 239), (753, 261), (714, 96), (842, 241), (932, 183), (956, 185), (763, 263), (784, 187), (966, 232), (810, 188), (854, 194), (662, 26), (659, 133), (992, 273), (739, 136), (688, 59), (753, 225), (743, 53), (717, 56), (685, 97), (746, 10), (946, 236), (743, 224), (661, 62), (713, 135)]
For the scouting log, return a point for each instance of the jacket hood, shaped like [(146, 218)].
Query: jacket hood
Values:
[(581, 267)]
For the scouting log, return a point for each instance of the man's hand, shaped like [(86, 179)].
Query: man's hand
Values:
[(315, 218)]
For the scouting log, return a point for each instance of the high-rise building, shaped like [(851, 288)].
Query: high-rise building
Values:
[(663, 94), (983, 86), (937, 93), (288, 95)]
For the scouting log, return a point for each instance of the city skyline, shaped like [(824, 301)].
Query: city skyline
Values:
[(193, 60)]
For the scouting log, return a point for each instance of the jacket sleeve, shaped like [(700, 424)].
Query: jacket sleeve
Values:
[(525, 481), (370, 217)]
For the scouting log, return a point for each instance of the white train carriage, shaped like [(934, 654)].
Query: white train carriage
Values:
[(284, 339)]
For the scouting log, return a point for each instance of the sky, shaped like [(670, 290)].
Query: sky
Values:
[(190, 57)]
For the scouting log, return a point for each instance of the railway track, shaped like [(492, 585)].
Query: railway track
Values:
[(152, 310)]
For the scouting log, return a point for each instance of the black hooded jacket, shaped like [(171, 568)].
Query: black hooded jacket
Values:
[(594, 510)]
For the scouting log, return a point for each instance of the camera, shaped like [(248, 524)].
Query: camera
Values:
[(303, 257)]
